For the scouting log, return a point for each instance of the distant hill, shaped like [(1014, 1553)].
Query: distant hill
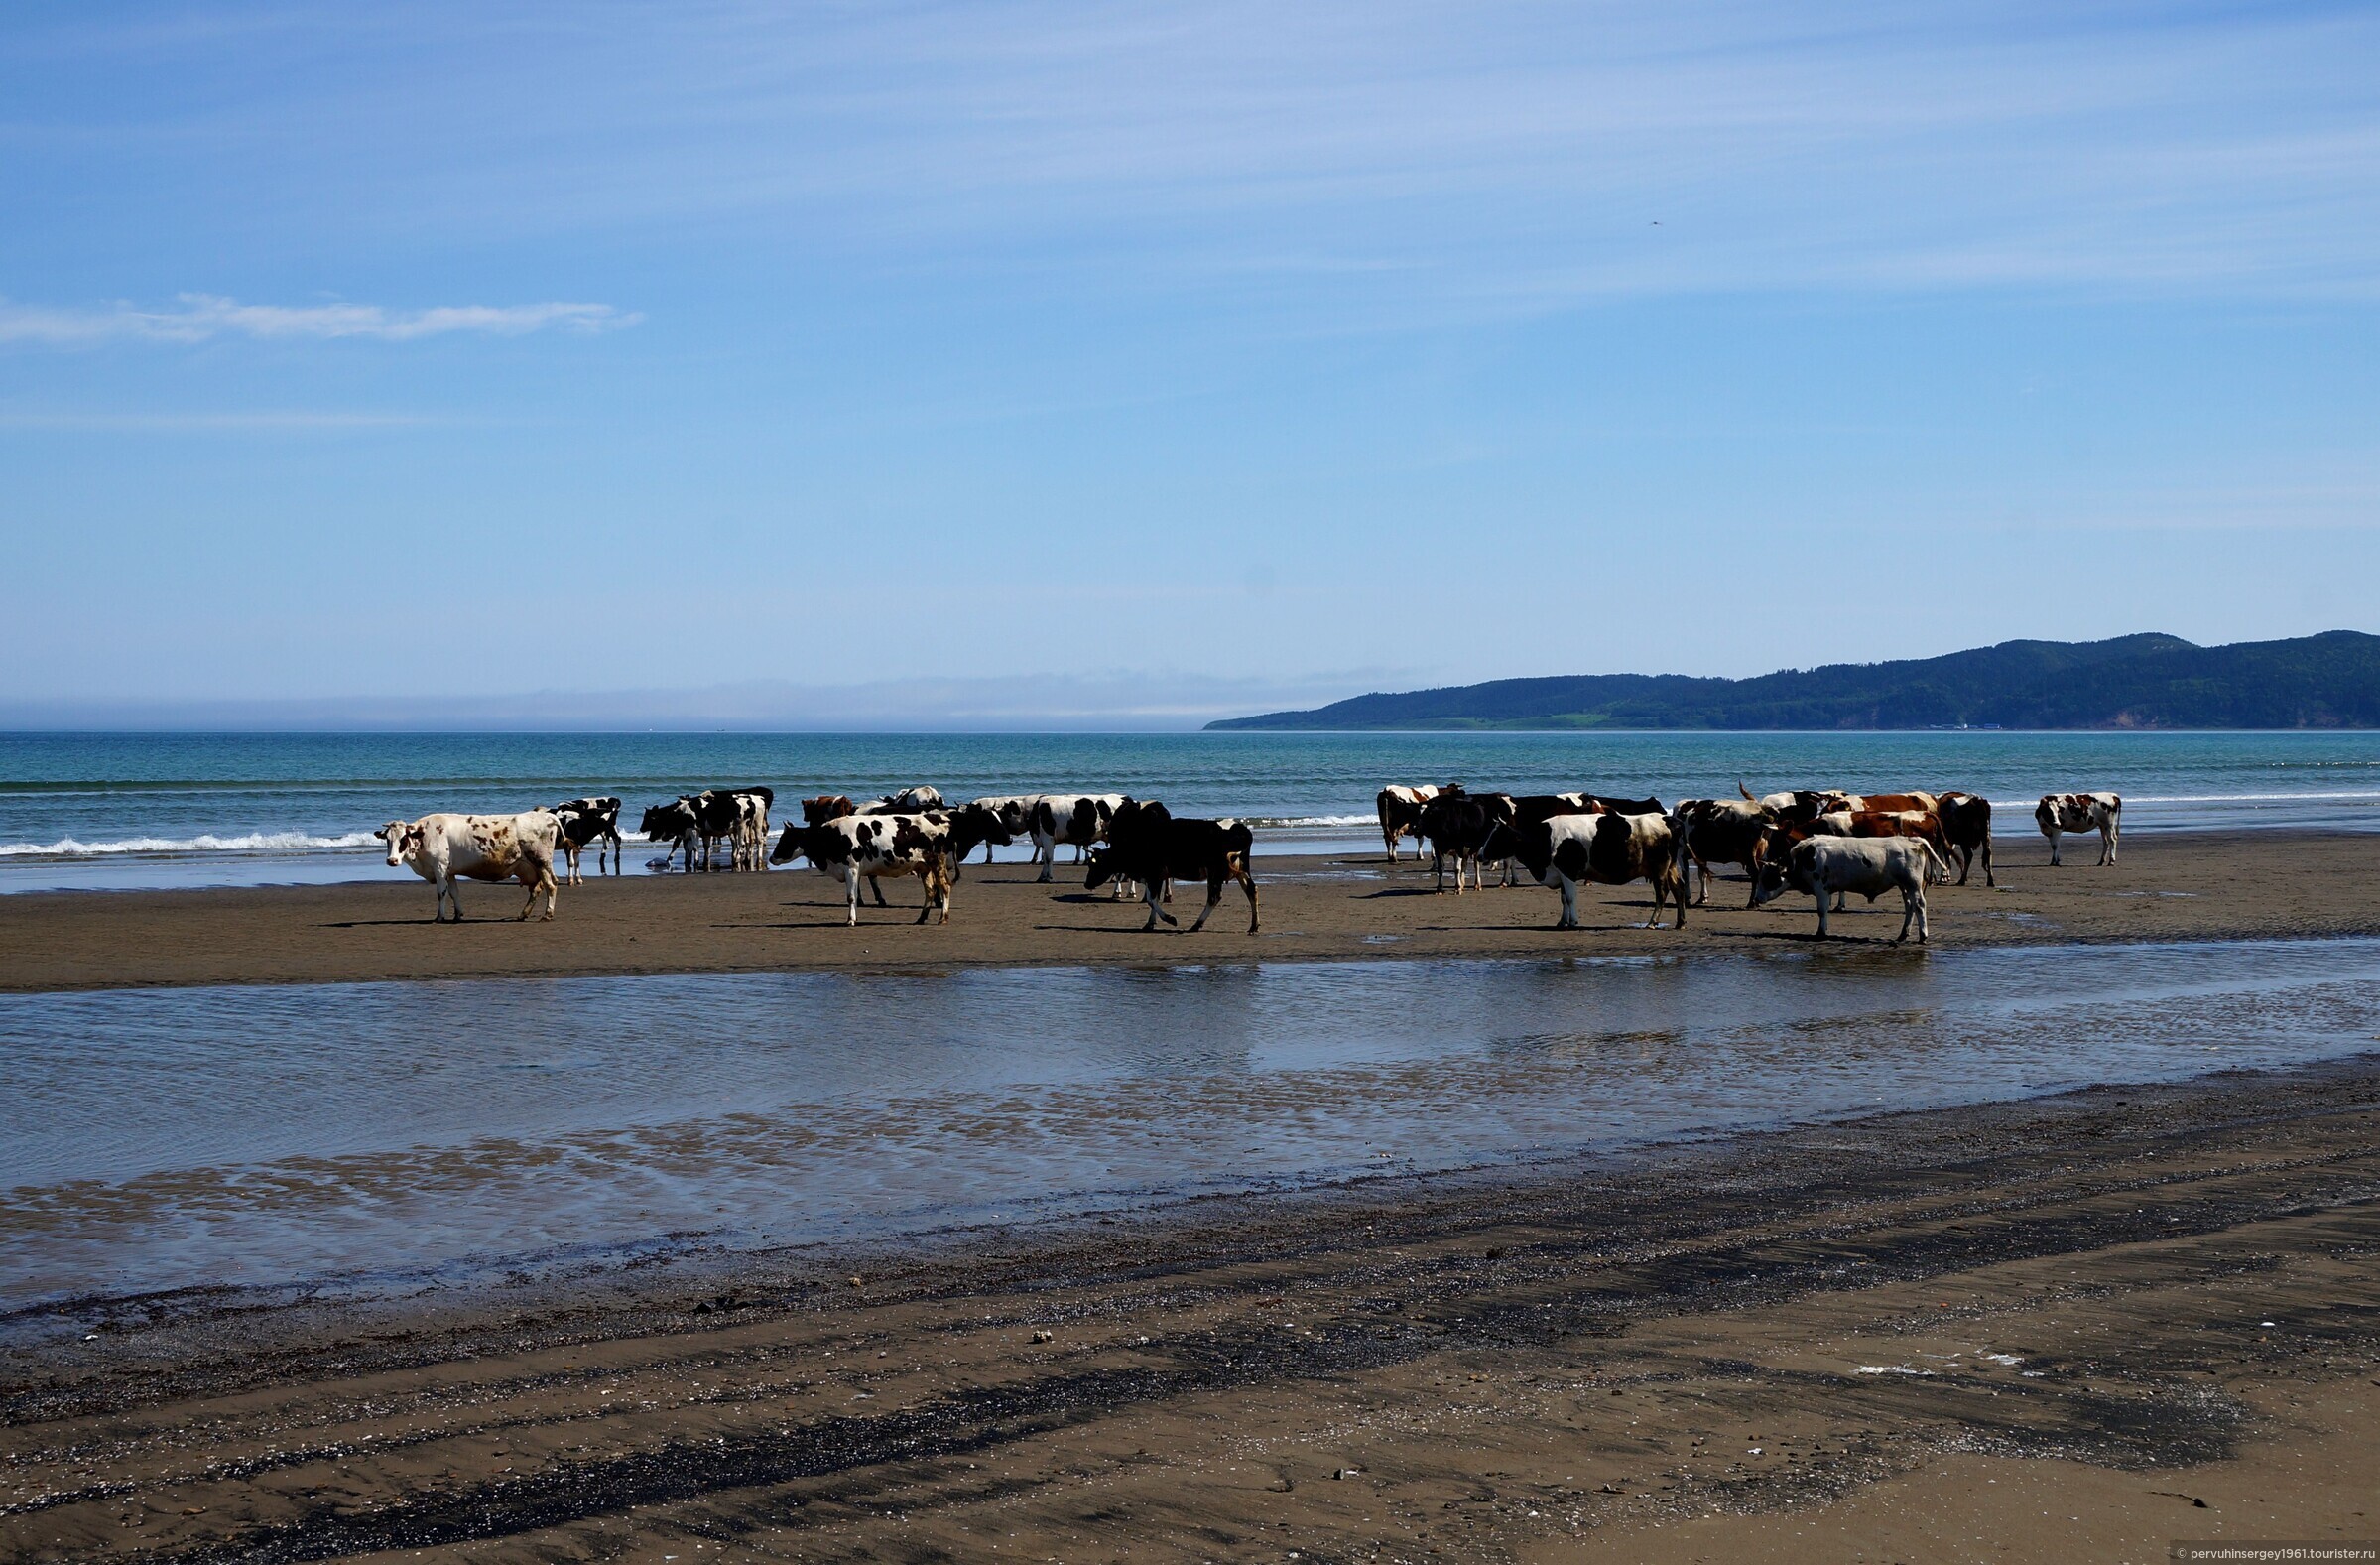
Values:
[(2329, 680)]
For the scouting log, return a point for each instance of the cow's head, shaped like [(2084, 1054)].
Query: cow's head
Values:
[(1102, 868), (789, 844), (1790, 871), (405, 838), (825, 807)]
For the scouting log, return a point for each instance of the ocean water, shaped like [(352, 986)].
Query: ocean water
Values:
[(103, 810), (171, 1139)]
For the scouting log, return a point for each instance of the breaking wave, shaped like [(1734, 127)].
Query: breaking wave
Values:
[(204, 843)]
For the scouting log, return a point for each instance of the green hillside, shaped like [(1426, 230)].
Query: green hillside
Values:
[(2329, 680)]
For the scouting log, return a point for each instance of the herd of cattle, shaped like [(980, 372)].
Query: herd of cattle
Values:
[(1823, 844)]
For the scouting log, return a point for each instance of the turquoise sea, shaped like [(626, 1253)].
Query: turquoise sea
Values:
[(151, 810)]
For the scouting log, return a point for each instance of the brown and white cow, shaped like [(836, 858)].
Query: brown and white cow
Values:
[(438, 848), (1567, 851), (2102, 812)]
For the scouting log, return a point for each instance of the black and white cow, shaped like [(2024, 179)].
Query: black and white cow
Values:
[(1567, 851), (1149, 843), (870, 847), (1076, 818), (909, 801), (2102, 812), (1456, 827), (438, 848), (1400, 806), (596, 819), (1014, 811), (1828, 867), (674, 824)]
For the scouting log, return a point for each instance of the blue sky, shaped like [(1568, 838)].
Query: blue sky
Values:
[(1183, 358)]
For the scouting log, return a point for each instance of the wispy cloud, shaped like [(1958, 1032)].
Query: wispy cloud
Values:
[(197, 318), (264, 421)]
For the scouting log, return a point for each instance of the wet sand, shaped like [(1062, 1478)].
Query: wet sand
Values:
[(2169, 886), (2067, 1328)]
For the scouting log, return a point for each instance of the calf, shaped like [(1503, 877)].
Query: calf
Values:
[(1400, 806), (1148, 844), (1828, 867), (1605, 849), (2102, 812), (1721, 831), (1966, 827), (1080, 820), (438, 848), (593, 820), (1456, 826)]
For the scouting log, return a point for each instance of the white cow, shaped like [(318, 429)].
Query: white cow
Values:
[(438, 848), (1827, 868), (1566, 851), (2102, 812)]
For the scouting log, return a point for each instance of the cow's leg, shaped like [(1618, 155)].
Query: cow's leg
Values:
[(1569, 904), (1247, 880), (1154, 896), (1987, 874), (448, 895), (1676, 883), (1922, 932), (1822, 896), (2107, 843), (2052, 835), (1044, 850), (851, 892), (1214, 894)]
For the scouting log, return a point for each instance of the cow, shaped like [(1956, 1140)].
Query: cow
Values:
[(1607, 848), (438, 848), (863, 847), (1721, 831), (1925, 824), (1148, 844), (1013, 810), (751, 832), (1838, 800), (1400, 806), (909, 801), (593, 820), (1456, 826), (1828, 867), (1966, 827), (674, 824), (2102, 812), (1079, 819), (826, 807), (1794, 806)]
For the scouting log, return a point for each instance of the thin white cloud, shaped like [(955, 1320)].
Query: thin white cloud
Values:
[(197, 318)]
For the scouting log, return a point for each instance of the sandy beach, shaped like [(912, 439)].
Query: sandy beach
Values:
[(2169, 886), (2072, 1328)]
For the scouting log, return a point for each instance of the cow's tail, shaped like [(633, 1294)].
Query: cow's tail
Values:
[(1746, 792), (1940, 862)]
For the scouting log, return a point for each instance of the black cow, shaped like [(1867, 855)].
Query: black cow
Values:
[(1456, 825), (1147, 843), (596, 819), (1966, 826)]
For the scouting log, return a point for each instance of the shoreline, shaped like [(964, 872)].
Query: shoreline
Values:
[(1905, 1330), (2171, 886)]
